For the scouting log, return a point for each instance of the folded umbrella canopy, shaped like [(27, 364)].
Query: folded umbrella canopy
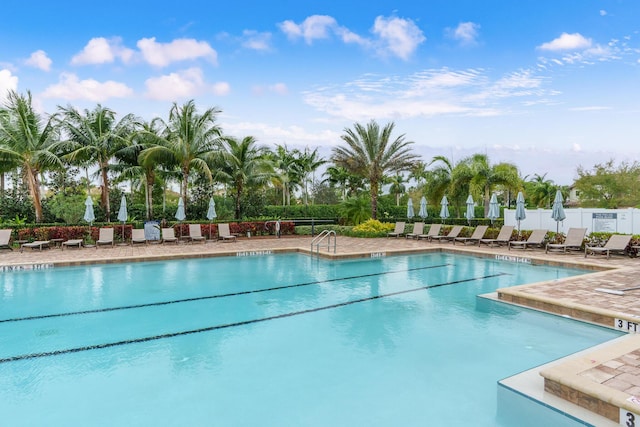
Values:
[(444, 208), (89, 215), (423, 208), (520, 211), (410, 213), (122, 213), (494, 208), (470, 214), (557, 211), (211, 213)]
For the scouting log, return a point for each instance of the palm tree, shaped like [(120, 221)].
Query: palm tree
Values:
[(132, 167), (540, 191), (397, 187), (95, 137), (310, 162), (438, 180), (190, 142), (370, 153), (242, 165), (482, 178), (340, 177), (28, 143), (288, 170)]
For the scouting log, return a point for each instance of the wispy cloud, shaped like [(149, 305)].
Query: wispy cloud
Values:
[(590, 108), (277, 88), (433, 92), (256, 41), (40, 60), (70, 87), (392, 36), (466, 33)]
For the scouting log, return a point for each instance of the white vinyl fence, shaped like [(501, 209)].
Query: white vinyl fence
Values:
[(624, 221)]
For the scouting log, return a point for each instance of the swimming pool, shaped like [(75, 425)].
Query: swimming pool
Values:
[(282, 340)]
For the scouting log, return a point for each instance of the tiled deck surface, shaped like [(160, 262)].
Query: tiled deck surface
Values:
[(602, 382)]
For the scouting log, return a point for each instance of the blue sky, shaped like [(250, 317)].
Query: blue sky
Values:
[(547, 85)]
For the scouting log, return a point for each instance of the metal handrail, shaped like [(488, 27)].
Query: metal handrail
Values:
[(325, 234)]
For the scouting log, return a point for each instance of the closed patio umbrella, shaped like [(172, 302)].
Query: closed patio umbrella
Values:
[(180, 215), (122, 213), (89, 215), (557, 211), (410, 213), (520, 212), (211, 213), (494, 208), (422, 213), (444, 208), (470, 214)]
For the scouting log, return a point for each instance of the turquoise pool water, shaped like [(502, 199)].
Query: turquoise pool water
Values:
[(271, 340)]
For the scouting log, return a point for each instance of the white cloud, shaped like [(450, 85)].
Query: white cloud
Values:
[(277, 88), (466, 33), (567, 42), (256, 41), (70, 87), (100, 50), (182, 84), (603, 12), (7, 82), (398, 37), (163, 54), (591, 108), (39, 59), (576, 147), (312, 28)]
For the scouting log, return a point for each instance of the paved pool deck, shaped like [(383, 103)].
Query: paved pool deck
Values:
[(605, 381)]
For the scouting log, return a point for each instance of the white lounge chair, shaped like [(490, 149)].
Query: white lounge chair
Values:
[(478, 234), (195, 233), (105, 237), (71, 243), (38, 244), (504, 236), (434, 231), (573, 242), (169, 235), (398, 230), (225, 234), (137, 236), (453, 233), (617, 243), (5, 238), (536, 238), (418, 229)]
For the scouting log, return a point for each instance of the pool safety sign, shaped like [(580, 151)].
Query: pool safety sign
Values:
[(627, 326)]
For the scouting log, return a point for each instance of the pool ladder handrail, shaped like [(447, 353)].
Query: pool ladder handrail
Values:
[(326, 234)]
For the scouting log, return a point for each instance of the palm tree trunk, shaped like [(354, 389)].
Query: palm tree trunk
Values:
[(105, 192), (238, 193), (374, 200), (34, 191)]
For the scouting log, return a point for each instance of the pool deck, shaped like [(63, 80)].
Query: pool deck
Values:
[(605, 381)]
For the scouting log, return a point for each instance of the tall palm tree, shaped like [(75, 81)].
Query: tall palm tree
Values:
[(338, 176), (190, 142), (288, 170), (132, 167), (482, 177), (310, 162), (95, 137), (27, 142), (540, 191), (397, 187), (242, 164), (370, 153)]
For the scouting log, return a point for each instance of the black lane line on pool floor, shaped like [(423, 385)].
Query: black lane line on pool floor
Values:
[(233, 294), (230, 325)]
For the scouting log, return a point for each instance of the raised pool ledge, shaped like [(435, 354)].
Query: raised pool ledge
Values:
[(605, 381)]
